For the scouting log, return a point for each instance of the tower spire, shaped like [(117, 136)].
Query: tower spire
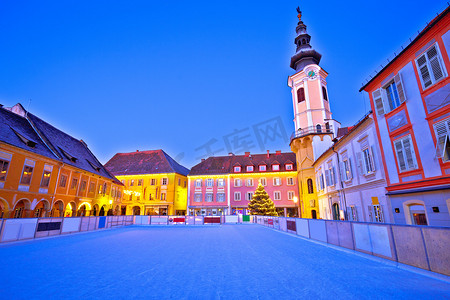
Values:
[(304, 54)]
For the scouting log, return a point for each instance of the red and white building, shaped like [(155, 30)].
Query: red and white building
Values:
[(410, 98)]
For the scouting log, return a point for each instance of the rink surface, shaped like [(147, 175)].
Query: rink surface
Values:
[(204, 262)]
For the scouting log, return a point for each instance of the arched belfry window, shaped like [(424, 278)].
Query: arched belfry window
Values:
[(310, 186), (324, 92), (319, 128), (300, 95)]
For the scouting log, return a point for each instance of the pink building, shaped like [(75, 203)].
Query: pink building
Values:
[(225, 185)]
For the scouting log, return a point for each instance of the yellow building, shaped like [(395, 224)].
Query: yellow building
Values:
[(46, 172), (155, 184)]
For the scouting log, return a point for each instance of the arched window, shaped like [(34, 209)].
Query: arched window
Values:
[(309, 182), (319, 128), (324, 92), (300, 95)]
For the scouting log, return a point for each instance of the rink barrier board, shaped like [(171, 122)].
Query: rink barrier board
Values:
[(423, 247)]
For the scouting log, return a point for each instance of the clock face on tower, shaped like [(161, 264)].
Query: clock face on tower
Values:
[(311, 73)]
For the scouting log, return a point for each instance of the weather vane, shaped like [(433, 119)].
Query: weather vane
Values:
[(299, 16)]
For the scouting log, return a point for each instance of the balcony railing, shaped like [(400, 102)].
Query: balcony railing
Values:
[(318, 129)]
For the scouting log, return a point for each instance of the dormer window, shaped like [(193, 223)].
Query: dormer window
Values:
[(289, 167), (70, 157), (237, 169), (96, 168), (276, 167), (262, 168), (249, 168), (24, 140)]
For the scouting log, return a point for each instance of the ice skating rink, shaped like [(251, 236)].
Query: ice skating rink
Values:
[(203, 262)]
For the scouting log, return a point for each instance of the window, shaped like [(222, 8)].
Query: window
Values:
[(277, 181), (63, 181), (392, 96), (132, 182), (123, 181), (197, 197), (5, 158), (100, 188), (184, 185), (406, 158), (366, 161), (376, 214), (139, 182), (220, 197), (389, 96), (249, 168), (263, 181), (83, 185), (237, 169), (324, 93), (249, 182), (45, 181), (309, 183), (442, 131), (289, 167), (91, 187), (27, 172), (237, 196), (164, 181), (130, 198), (275, 167), (290, 195), (430, 67), (153, 181), (352, 213), (300, 95), (198, 183), (138, 198), (209, 182), (249, 196), (163, 196), (179, 181), (321, 182), (220, 182), (330, 177), (237, 182), (290, 181), (346, 170), (276, 195), (74, 184)]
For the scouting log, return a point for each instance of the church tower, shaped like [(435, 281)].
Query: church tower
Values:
[(314, 126)]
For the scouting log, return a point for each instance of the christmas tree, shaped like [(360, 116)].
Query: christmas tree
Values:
[(261, 204)]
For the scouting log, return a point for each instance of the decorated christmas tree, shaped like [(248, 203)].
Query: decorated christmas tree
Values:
[(261, 204)]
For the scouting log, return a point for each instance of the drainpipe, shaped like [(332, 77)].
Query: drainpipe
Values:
[(340, 182)]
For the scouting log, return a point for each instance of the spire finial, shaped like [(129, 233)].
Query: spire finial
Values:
[(299, 16)]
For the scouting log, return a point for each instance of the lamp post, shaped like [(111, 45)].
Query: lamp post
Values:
[(298, 207)]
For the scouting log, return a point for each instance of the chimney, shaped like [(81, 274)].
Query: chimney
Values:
[(278, 152), (84, 143), (268, 154), (137, 150), (247, 154), (203, 159), (230, 154)]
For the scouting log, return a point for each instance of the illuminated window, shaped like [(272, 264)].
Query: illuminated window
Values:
[(262, 168), (237, 182), (74, 184), (220, 182), (277, 181), (249, 168), (45, 181), (237, 169), (4, 163), (27, 172), (163, 196), (139, 182), (275, 167), (132, 182)]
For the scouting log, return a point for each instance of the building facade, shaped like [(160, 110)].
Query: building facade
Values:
[(410, 98), (314, 127), (350, 177), (44, 172), (226, 184), (155, 184)]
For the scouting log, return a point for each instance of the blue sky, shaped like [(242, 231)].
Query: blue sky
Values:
[(188, 76)]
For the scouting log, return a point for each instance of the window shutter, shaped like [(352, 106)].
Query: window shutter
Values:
[(372, 154), (333, 176), (423, 69), (436, 69), (370, 210), (442, 130), (350, 169), (327, 177), (409, 151), (400, 156), (378, 100), (342, 172), (399, 83), (359, 163)]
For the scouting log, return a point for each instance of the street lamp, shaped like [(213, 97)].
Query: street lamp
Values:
[(298, 207)]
